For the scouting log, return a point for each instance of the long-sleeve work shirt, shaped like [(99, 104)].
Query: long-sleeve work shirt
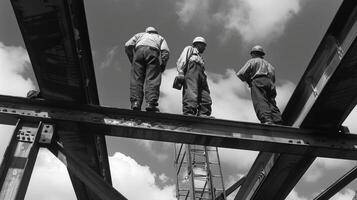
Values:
[(256, 67), (153, 40), (189, 54)]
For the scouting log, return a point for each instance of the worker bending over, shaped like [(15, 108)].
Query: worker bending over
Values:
[(260, 76), (196, 98), (148, 53)]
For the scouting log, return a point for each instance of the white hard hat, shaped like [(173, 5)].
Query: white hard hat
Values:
[(259, 49), (151, 29), (199, 39)]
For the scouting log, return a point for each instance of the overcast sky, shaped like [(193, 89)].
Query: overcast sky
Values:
[(289, 30)]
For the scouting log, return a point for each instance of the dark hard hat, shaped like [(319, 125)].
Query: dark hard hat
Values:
[(259, 49), (151, 29)]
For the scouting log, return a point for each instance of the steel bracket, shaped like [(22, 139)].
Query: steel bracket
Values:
[(46, 133)]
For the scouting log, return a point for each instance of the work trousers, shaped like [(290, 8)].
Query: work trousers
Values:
[(145, 70), (263, 96), (196, 99)]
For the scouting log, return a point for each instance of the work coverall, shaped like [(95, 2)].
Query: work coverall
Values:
[(260, 75), (148, 53), (196, 99)]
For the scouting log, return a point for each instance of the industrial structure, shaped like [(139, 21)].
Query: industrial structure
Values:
[(68, 120)]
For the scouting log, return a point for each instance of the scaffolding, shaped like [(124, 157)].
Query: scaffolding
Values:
[(198, 172)]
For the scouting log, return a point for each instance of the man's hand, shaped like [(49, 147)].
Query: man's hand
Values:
[(162, 67)]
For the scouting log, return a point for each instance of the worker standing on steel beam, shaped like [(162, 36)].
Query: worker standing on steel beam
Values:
[(196, 99), (148, 53), (260, 76)]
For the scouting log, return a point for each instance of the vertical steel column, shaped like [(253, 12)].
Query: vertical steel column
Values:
[(19, 160)]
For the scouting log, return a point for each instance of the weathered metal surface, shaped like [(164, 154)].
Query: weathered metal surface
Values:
[(19, 160), (338, 185), (324, 97), (56, 37), (180, 129), (101, 189), (47, 133)]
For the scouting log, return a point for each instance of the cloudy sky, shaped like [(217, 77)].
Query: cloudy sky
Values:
[(290, 31)]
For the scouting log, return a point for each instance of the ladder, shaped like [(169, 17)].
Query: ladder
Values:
[(198, 172)]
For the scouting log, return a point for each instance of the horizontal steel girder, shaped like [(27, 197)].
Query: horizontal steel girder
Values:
[(183, 129)]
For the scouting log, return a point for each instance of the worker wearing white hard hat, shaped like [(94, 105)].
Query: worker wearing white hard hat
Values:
[(148, 54), (260, 76), (196, 99)]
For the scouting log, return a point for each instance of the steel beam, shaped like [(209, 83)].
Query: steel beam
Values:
[(338, 185), (101, 189), (56, 36), (231, 189), (324, 97), (183, 129), (19, 159)]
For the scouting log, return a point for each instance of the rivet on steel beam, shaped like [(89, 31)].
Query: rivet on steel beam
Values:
[(47, 133)]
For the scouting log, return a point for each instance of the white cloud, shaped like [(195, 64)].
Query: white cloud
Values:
[(128, 176), (346, 194), (50, 179), (238, 159), (163, 178), (258, 20), (254, 20), (51, 176), (323, 166), (110, 59), (194, 12), (14, 61), (294, 196)]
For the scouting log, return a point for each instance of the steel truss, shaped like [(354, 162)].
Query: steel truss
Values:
[(73, 127)]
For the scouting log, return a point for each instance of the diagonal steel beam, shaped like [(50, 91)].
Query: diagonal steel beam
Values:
[(56, 36), (324, 97), (19, 160), (231, 189), (102, 189), (338, 185), (183, 129)]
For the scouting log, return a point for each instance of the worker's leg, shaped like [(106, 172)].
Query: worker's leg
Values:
[(190, 90), (152, 79), (260, 101), (275, 112), (204, 99), (137, 77)]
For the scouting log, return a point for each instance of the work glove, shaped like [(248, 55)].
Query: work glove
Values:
[(129, 50), (162, 67), (178, 82)]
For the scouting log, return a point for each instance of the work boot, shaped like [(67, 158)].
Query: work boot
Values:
[(268, 123), (207, 116), (152, 109), (135, 105)]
